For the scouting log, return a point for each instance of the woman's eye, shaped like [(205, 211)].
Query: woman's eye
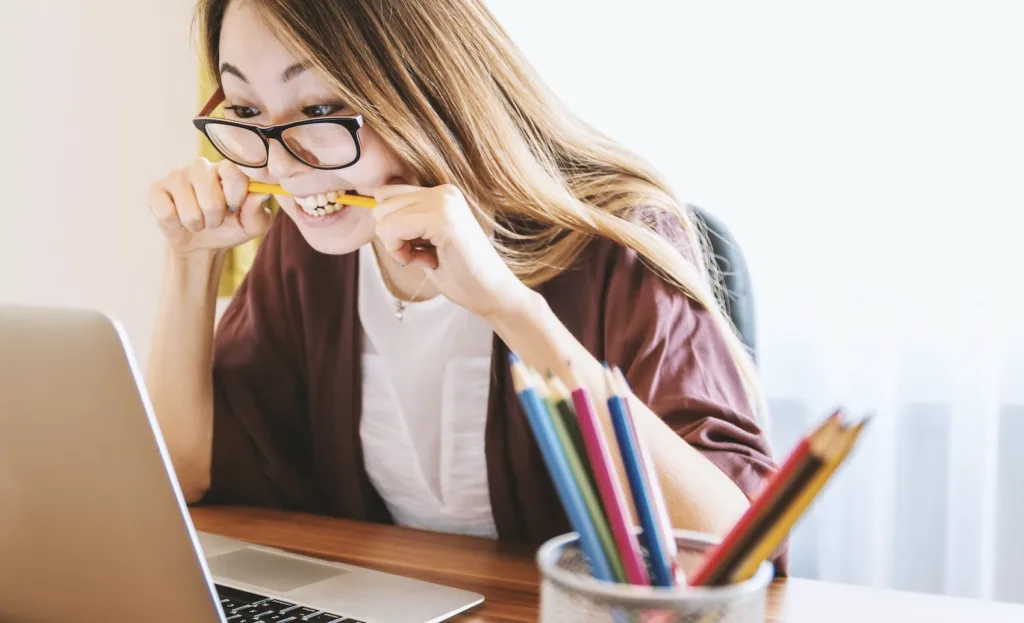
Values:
[(244, 112), (322, 110)]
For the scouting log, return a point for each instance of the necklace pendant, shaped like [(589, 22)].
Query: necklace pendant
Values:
[(399, 311)]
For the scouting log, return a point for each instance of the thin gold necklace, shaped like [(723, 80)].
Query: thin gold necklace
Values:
[(400, 305)]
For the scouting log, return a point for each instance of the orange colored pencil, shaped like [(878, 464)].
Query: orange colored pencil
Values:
[(799, 467), (794, 508)]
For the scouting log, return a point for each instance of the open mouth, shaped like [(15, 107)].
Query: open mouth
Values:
[(320, 205)]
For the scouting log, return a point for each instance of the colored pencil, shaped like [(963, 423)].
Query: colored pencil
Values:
[(836, 453), (558, 467), (346, 199), (562, 403), (647, 461), (577, 463), (798, 470), (616, 505), (643, 496), (715, 565)]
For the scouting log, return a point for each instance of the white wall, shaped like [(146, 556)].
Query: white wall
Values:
[(92, 112), (869, 156), (855, 120)]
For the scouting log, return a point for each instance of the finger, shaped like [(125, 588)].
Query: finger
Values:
[(400, 229), (234, 183), (254, 217), (162, 207), (389, 191), (206, 185), (185, 202), (389, 206), (422, 257)]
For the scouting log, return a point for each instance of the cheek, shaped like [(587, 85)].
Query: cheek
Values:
[(377, 165)]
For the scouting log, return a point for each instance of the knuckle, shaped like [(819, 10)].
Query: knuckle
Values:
[(192, 223), (449, 191), (153, 193), (177, 178), (213, 213), (226, 167), (162, 213)]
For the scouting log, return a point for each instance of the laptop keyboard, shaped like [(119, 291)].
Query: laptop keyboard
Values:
[(245, 607)]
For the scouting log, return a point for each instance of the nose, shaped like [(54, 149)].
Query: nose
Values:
[(282, 164)]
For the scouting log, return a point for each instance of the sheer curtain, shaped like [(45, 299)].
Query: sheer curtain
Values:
[(869, 157)]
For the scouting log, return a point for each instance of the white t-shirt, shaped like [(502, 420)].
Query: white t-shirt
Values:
[(426, 381)]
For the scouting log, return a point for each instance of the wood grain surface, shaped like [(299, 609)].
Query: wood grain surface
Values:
[(507, 576)]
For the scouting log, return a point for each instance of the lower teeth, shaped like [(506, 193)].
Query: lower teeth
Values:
[(330, 208)]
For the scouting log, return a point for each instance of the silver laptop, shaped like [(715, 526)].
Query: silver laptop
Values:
[(93, 526)]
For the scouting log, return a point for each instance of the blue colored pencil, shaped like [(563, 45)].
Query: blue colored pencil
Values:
[(558, 466), (668, 538), (643, 495)]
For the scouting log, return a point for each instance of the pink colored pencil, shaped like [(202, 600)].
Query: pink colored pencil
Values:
[(608, 485)]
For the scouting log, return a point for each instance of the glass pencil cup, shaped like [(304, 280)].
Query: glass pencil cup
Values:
[(570, 594)]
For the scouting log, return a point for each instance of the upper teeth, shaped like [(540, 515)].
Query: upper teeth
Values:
[(319, 205)]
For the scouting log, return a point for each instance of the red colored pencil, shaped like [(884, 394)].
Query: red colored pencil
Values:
[(608, 484), (710, 569)]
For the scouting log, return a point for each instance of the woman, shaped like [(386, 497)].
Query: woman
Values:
[(361, 369)]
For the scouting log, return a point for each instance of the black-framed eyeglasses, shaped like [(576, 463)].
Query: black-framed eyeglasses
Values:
[(323, 143)]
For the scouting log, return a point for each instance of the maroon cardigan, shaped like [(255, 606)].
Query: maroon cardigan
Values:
[(286, 376)]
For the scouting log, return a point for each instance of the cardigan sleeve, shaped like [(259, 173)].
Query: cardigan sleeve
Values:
[(260, 428)]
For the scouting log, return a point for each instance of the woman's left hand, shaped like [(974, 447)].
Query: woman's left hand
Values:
[(462, 262)]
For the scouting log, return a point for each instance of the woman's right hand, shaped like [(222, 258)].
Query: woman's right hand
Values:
[(207, 206)]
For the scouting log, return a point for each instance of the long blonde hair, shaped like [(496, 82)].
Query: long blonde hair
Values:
[(446, 88)]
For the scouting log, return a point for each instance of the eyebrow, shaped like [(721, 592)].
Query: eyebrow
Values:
[(293, 71), (286, 75), (228, 68)]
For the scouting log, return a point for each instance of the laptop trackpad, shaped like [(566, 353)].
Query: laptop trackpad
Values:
[(270, 571)]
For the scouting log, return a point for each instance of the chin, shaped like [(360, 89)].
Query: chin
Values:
[(337, 233)]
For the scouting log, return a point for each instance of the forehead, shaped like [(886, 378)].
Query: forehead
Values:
[(249, 44), (247, 40)]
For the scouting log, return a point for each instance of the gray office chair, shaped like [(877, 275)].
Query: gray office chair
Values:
[(733, 268)]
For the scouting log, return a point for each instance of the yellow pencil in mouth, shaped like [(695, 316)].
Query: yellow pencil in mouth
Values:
[(342, 199)]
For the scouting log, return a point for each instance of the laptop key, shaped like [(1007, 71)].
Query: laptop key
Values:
[(280, 606), (276, 617), (235, 594), (302, 612), (326, 617), (230, 604), (253, 610)]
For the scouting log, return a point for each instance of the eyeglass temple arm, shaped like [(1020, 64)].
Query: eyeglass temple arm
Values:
[(213, 102)]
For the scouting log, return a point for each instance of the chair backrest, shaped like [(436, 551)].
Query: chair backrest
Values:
[(733, 268)]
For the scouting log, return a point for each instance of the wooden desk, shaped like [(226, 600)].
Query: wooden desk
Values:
[(507, 577)]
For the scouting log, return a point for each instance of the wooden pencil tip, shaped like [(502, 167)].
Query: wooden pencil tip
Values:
[(558, 388), (620, 380), (571, 378), (609, 381)]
